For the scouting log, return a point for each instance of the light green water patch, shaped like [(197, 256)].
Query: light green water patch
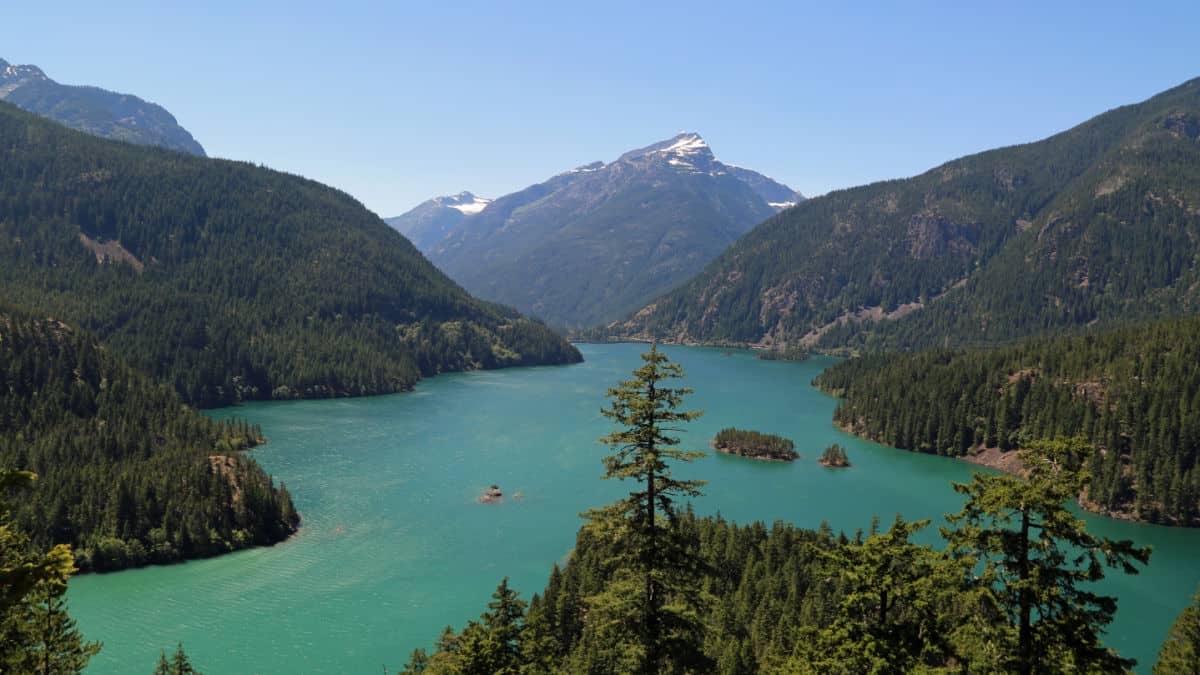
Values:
[(394, 546)]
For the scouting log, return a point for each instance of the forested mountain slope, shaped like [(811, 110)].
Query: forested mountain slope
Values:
[(121, 117), (595, 242), (1134, 394), (1097, 224), (127, 474), (232, 281)]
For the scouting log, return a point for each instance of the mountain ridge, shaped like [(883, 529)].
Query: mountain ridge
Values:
[(979, 250), (100, 112)]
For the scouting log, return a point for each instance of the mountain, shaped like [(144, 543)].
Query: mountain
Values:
[(594, 242), (231, 281), (126, 474), (432, 220), (121, 117), (1096, 225)]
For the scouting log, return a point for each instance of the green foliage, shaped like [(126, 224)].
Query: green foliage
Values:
[(754, 444), (1180, 654), (1097, 224), (179, 664), (784, 599), (129, 475), (1038, 562), (230, 281), (646, 619), (902, 609), (1133, 393), (491, 646), (36, 634)]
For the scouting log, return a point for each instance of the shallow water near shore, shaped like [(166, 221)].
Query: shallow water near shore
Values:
[(394, 545)]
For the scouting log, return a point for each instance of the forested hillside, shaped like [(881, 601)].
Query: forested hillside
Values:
[(1133, 393), (127, 474), (1095, 225), (231, 281)]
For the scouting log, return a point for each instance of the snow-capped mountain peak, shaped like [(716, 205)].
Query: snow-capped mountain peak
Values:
[(463, 202), (686, 152), (13, 76)]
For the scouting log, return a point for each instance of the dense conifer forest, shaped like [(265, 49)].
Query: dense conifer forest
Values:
[(128, 475), (229, 281), (1133, 393)]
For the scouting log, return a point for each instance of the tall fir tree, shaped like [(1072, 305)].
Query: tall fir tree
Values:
[(648, 617), (36, 633), (1038, 561)]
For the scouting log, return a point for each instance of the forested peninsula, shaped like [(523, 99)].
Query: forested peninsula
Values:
[(233, 282), (127, 475), (1132, 393)]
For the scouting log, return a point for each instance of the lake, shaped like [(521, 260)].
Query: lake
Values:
[(394, 547)]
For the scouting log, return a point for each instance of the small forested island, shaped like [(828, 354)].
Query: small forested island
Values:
[(755, 445), (834, 457)]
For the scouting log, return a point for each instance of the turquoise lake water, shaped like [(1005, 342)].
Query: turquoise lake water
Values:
[(394, 547)]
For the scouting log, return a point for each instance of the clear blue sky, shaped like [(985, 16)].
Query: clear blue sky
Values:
[(397, 102)]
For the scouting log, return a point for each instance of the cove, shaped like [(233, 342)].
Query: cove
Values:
[(393, 546)]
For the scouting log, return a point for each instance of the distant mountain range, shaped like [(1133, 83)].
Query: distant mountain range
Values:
[(121, 117), (592, 243), (1096, 225)]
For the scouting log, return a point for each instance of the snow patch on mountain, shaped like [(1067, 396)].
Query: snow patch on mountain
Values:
[(473, 207), (463, 202)]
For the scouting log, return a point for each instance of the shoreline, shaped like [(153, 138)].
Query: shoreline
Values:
[(1008, 462)]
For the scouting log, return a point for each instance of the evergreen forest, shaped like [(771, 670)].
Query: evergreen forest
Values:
[(128, 475), (232, 282), (1133, 393)]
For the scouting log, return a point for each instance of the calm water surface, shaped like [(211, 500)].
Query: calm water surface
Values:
[(393, 546)]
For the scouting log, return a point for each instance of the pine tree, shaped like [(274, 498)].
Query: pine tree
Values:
[(1037, 558), (36, 634), (647, 619), (896, 609), (492, 645)]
